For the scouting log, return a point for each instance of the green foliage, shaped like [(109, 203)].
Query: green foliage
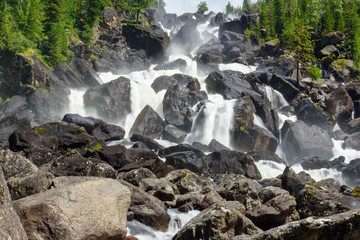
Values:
[(246, 5), (202, 7), (98, 147), (229, 9)]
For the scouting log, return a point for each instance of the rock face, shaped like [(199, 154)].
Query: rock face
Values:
[(110, 100), (339, 226), (10, 225), (147, 123), (217, 222), (90, 209), (304, 141)]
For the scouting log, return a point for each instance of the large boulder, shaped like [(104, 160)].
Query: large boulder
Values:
[(300, 140), (145, 142), (352, 170), (173, 134), (219, 221), (92, 208), (353, 141), (182, 119), (343, 70), (10, 225), (174, 65), (110, 100), (148, 209), (178, 97), (11, 124), (292, 182), (187, 37), (147, 123), (314, 200), (115, 155), (339, 105), (15, 165), (152, 39), (163, 82), (239, 25)]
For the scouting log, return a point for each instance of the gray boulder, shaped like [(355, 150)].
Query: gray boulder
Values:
[(147, 123)]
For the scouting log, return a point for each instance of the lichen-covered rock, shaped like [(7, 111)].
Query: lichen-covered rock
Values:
[(15, 165), (218, 222), (89, 209)]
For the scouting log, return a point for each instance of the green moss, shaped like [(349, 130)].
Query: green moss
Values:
[(242, 128), (39, 130), (98, 147), (313, 185), (315, 217)]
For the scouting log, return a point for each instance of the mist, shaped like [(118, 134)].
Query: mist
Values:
[(180, 7)]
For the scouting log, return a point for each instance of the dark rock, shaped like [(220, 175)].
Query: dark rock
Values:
[(229, 85), (164, 195), (330, 184), (169, 20), (216, 146), (217, 20), (270, 48), (16, 107), (42, 155), (314, 200), (96, 127), (240, 188), (11, 124), (353, 141), (339, 105), (311, 114), (264, 140), (186, 181), (148, 123), (278, 66), (153, 40), (191, 199), (31, 184), (137, 154), (352, 126), (15, 165), (158, 167), (110, 100), (270, 182), (136, 175), (239, 25), (300, 140), (278, 208), (211, 198), (353, 89), (163, 82), (285, 87), (173, 134), (115, 155), (343, 70), (201, 147), (148, 209), (182, 119), (317, 163), (186, 160), (10, 225), (146, 141), (332, 38), (180, 148), (210, 57), (329, 51), (217, 222), (177, 64), (178, 97), (292, 182), (352, 170)]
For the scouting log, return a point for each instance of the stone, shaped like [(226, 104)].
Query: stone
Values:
[(15, 165), (115, 155), (173, 134), (180, 148), (163, 82), (10, 225), (263, 140), (353, 141), (10, 124), (186, 160), (157, 166), (147, 142), (217, 222), (174, 65), (148, 123), (351, 171), (291, 182), (187, 37), (266, 155), (90, 209), (329, 51), (136, 175), (181, 119)]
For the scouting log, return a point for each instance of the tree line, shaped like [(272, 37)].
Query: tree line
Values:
[(46, 25)]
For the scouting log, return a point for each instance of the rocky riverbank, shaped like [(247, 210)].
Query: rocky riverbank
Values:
[(66, 176)]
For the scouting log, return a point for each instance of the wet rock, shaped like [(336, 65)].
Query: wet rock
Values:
[(187, 37), (110, 100), (314, 200), (292, 182), (239, 188), (16, 106), (169, 20), (278, 208), (93, 208), (180, 148), (147, 142), (317, 163), (311, 114), (210, 57), (10, 225), (216, 146), (300, 140), (352, 170), (185, 160), (229, 85), (269, 116), (178, 97), (173, 134), (217, 20), (227, 162), (343, 224), (217, 222), (157, 166), (148, 209), (353, 141), (270, 48), (264, 140), (187, 181), (287, 88), (181, 119), (352, 126), (34, 183), (270, 182), (153, 40), (239, 25), (115, 155), (330, 184), (96, 127), (281, 67), (189, 201), (266, 155), (177, 64), (15, 165), (163, 82), (148, 123), (10, 124)]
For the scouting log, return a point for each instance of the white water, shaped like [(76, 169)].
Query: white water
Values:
[(178, 220)]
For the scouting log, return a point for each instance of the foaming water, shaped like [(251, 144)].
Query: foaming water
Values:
[(320, 174), (259, 122), (178, 220), (270, 169), (214, 121), (237, 67), (348, 153), (276, 98)]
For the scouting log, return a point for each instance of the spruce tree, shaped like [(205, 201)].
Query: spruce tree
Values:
[(246, 5)]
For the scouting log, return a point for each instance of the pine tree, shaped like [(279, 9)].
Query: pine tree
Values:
[(246, 5), (229, 8), (278, 16)]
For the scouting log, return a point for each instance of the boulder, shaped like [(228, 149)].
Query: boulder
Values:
[(292, 182), (148, 123), (270, 48), (266, 155), (178, 97), (15, 165), (180, 148), (91, 208), (186, 160), (152, 39), (210, 57), (281, 66), (10, 225), (110, 100), (147, 142), (115, 155), (34, 183), (332, 38), (330, 184), (173, 134), (317, 163), (343, 70), (148, 209), (189, 201), (353, 141), (339, 105), (187, 37), (216, 146), (217, 222), (176, 64), (263, 139), (239, 25), (352, 170), (278, 208), (182, 119), (42, 155), (135, 176), (163, 82), (352, 126), (16, 106), (96, 127), (300, 140), (343, 225), (314, 200), (157, 166), (10, 124), (239, 188), (170, 20)]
